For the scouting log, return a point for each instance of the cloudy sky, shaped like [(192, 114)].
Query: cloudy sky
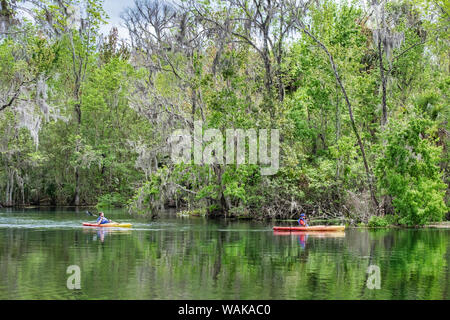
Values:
[(114, 8)]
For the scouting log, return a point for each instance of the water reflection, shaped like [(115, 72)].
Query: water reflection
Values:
[(303, 235), (173, 258), (99, 233)]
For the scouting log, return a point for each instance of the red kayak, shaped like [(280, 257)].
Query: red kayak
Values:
[(314, 234), (311, 228)]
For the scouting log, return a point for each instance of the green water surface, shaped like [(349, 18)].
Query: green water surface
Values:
[(196, 258)]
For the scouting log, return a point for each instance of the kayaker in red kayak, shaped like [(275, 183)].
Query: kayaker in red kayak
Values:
[(102, 220), (302, 221)]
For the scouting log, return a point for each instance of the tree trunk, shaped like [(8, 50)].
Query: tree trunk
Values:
[(267, 66), (338, 132), (77, 173), (350, 111), (77, 187), (5, 15), (218, 170), (9, 189), (279, 60), (383, 84), (7, 193)]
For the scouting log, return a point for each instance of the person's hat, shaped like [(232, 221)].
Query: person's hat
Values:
[(302, 215)]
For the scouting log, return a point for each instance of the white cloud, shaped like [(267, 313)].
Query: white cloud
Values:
[(114, 8)]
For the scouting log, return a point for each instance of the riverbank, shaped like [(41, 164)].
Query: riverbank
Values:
[(375, 223), (440, 225)]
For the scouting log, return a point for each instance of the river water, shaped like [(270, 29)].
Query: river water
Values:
[(197, 258)]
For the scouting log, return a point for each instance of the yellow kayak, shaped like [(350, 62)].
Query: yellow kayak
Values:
[(117, 225)]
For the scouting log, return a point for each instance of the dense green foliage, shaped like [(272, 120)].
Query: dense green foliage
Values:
[(409, 172), (360, 100)]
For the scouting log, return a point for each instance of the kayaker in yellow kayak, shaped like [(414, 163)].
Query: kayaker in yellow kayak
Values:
[(102, 220), (302, 221)]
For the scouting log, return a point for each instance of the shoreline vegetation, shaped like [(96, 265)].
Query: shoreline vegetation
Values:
[(358, 93), (198, 213)]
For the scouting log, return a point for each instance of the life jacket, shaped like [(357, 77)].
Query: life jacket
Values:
[(302, 222), (103, 220)]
